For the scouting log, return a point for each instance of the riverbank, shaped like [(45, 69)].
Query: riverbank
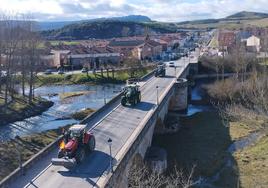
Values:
[(250, 157), (80, 115), (19, 109), (119, 77), (28, 146), (203, 142)]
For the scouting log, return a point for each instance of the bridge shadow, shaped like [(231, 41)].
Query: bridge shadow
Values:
[(168, 76), (144, 106), (93, 167)]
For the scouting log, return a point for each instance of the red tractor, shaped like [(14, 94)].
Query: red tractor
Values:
[(75, 144)]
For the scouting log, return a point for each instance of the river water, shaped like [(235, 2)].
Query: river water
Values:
[(59, 114)]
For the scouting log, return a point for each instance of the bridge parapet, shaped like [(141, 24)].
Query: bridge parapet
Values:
[(179, 99)]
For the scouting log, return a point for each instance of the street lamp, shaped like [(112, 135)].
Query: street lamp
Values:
[(104, 95), (18, 150), (111, 158), (157, 99)]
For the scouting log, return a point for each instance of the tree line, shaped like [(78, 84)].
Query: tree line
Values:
[(19, 57)]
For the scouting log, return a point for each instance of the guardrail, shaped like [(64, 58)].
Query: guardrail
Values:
[(19, 171)]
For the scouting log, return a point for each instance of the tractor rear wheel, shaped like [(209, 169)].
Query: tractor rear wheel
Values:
[(139, 98), (134, 101), (91, 144), (80, 155), (123, 101)]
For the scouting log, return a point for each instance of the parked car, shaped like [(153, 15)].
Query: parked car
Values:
[(84, 70), (171, 64), (48, 71), (60, 71)]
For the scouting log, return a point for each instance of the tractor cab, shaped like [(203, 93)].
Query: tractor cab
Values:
[(160, 71), (131, 95), (131, 88), (77, 131)]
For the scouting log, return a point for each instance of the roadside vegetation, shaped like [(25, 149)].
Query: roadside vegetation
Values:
[(242, 103), (26, 147), (119, 76)]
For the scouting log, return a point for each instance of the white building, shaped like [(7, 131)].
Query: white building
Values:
[(253, 44)]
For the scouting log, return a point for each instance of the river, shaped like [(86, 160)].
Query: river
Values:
[(59, 114)]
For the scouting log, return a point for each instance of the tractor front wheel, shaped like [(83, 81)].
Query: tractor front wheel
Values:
[(80, 155), (60, 154)]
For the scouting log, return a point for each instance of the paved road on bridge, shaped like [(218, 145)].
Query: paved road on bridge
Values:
[(118, 125)]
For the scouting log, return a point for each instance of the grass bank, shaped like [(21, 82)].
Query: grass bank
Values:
[(82, 78), (203, 141), (82, 114), (28, 146), (250, 162), (18, 109), (67, 95)]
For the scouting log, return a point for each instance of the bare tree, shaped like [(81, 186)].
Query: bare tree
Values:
[(34, 59), (142, 176), (19, 54), (133, 66)]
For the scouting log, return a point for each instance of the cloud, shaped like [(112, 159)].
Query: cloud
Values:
[(162, 10)]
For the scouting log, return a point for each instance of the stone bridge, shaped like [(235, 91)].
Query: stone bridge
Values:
[(130, 128)]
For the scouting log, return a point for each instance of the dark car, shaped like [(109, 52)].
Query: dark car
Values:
[(48, 71), (60, 71)]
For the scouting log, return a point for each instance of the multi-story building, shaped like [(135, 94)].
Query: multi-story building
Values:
[(79, 56)]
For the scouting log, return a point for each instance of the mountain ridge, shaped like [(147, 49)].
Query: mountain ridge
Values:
[(43, 26)]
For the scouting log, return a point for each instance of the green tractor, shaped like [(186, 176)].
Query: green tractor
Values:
[(160, 71), (131, 95)]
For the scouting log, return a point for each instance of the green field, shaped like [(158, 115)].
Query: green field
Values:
[(227, 24), (57, 42)]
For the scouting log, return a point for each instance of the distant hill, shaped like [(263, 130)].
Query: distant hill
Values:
[(57, 25), (107, 29), (104, 28), (238, 20), (248, 15)]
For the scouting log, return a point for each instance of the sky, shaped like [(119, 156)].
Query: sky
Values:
[(160, 10)]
